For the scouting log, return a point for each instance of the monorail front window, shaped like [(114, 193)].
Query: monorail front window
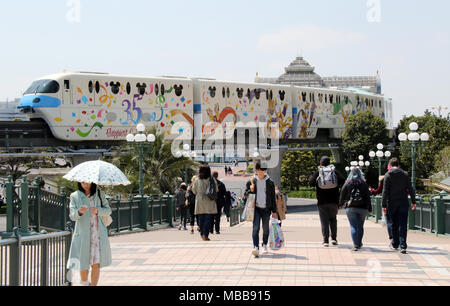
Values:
[(43, 86)]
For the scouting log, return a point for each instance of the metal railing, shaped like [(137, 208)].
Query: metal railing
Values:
[(38, 260), (432, 213), (32, 210), (235, 216), (142, 214)]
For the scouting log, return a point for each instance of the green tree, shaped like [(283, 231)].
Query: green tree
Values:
[(442, 161), (20, 166), (163, 172), (296, 169), (363, 132), (439, 131)]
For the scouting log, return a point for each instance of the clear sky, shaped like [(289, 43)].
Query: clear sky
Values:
[(232, 40)]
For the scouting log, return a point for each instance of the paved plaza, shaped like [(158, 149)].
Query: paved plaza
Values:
[(177, 258)]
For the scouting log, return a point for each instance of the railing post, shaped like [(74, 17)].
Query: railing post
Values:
[(15, 261), (169, 210), (118, 214), (412, 217), (152, 201), (24, 226), (64, 209), (131, 213), (379, 208), (68, 241), (44, 263), (9, 205), (439, 214), (144, 213), (37, 205)]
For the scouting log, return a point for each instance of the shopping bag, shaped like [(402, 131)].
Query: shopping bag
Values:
[(249, 210), (276, 237)]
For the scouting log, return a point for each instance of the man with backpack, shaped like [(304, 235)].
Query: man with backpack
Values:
[(221, 202), (327, 181), (265, 206)]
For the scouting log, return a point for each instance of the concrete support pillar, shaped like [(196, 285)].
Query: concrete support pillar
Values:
[(275, 163), (79, 159)]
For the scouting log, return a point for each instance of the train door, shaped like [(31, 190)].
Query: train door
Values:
[(67, 93)]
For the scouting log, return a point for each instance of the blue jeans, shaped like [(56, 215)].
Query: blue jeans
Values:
[(205, 224), (264, 216), (399, 217), (357, 218)]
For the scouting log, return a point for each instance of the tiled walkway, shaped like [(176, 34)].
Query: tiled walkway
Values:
[(177, 258)]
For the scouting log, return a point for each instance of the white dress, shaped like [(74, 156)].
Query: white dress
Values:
[(95, 236)]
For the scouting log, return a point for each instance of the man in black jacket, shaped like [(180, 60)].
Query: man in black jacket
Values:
[(265, 205), (181, 205), (397, 187), (220, 202), (328, 203)]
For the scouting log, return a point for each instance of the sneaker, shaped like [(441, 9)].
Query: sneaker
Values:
[(393, 248), (403, 251), (360, 247), (179, 228), (185, 229), (265, 250), (192, 232), (255, 252), (334, 242), (217, 233), (326, 244), (355, 249)]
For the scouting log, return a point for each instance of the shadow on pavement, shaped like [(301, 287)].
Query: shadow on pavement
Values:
[(282, 256)]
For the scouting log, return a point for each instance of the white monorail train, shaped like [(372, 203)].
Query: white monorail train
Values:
[(93, 106)]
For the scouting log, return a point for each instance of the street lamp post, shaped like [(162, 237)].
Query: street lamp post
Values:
[(412, 145), (382, 158), (187, 153), (139, 142)]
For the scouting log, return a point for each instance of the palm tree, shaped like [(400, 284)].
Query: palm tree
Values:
[(163, 172)]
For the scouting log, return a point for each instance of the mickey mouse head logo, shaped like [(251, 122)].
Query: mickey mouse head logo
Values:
[(257, 94), (212, 91), (141, 88), (115, 87), (178, 90), (282, 94), (240, 92)]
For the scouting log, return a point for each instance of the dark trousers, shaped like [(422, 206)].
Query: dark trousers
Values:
[(183, 215), (328, 220), (215, 220), (205, 224), (261, 215), (192, 215), (399, 216)]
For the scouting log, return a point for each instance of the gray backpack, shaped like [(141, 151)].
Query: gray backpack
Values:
[(327, 178)]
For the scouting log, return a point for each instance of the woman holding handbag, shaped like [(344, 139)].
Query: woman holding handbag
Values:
[(355, 197), (90, 246)]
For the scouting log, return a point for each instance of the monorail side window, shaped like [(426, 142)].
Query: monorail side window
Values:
[(66, 84), (91, 87), (97, 87), (128, 88)]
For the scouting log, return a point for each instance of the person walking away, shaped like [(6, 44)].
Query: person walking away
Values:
[(355, 198), (265, 205), (281, 205), (230, 171), (221, 201), (181, 206), (90, 246), (327, 181), (190, 202), (204, 205), (379, 191), (397, 187), (227, 207), (226, 170)]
